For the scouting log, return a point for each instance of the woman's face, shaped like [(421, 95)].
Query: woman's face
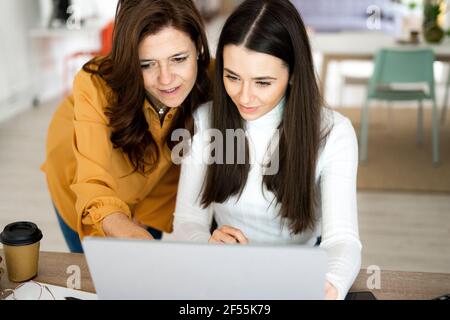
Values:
[(169, 66), (256, 82)]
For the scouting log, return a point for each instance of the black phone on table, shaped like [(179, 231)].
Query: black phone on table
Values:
[(363, 295)]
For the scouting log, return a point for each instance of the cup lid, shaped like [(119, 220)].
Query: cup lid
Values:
[(20, 234)]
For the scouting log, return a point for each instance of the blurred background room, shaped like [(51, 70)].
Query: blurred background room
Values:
[(404, 179)]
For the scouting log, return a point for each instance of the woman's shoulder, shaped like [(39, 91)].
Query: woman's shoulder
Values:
[(338, 132), (334, 122), (90, 92), (90, 82)]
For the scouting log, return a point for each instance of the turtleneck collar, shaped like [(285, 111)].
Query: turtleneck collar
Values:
[(271, 119)]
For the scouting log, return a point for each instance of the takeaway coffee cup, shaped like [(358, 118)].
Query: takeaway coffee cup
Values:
[(21, 242)]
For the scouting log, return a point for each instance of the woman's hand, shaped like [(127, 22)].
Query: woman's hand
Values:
[(118, 225), (331, 292), (228, 235)]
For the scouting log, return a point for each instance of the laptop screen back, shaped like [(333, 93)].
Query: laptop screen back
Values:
[(134, 269)]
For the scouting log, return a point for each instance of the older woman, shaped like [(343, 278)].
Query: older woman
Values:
[(108, 165)]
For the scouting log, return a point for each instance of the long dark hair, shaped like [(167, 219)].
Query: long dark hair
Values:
[(273, 27), (121, 70)]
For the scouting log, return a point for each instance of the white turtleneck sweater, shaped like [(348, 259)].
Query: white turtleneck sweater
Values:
[(256, 215)]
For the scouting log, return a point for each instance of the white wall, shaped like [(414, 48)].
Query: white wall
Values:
[(32, 66), (16, 18)]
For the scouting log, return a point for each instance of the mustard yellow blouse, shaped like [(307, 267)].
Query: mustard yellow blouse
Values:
[(88, 179)]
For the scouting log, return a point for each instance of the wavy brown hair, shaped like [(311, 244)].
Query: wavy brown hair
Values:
[(121, 70), (273, 27)]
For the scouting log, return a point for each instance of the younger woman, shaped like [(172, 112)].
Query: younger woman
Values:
[(265, 84)]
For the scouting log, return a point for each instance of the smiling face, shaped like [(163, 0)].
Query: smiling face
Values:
[(169, 66), (256, 82)]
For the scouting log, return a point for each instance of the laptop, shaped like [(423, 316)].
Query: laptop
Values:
[(166, 270)]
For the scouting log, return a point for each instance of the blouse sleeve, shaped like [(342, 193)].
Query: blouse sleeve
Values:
[(340, 235), (95, 188), (192, 222)]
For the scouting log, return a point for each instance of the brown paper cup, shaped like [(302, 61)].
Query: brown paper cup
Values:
[(21, 242), (22, 262)]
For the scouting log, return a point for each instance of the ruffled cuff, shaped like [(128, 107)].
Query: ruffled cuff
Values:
[(97, 210)]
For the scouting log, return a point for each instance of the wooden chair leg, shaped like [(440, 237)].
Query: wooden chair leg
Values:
[(420, 123), (445, 103), (390, 116), (364, 132), (435, 133)]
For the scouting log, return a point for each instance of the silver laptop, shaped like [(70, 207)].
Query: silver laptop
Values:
[(163, 270)]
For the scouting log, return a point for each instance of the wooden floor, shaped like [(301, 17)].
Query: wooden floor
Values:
[(408, 232)]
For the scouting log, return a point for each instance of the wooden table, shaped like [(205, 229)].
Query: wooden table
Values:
[(394, 284), (341, 46)]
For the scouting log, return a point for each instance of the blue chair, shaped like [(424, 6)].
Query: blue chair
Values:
[(392, 67)]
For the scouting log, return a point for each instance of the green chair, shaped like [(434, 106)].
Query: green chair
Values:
[(445, 104), (393, 67)]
